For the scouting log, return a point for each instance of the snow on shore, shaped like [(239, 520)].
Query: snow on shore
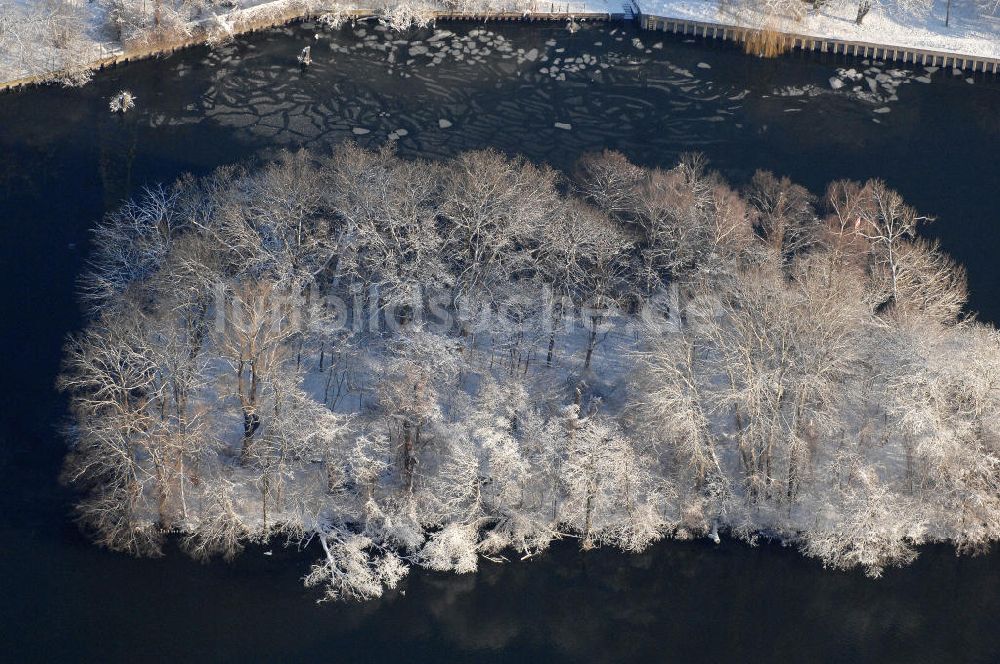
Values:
[(28, 46), (969, 32)]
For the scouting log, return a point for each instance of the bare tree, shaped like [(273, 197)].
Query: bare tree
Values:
[(492, 206), (888, 224), (252, 341), (387, 206), (930, 282), (422, 371), (608, 180), (607, 484), (117, 446), (785, 214)]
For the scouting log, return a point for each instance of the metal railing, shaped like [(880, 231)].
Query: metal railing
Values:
[(827, 45)]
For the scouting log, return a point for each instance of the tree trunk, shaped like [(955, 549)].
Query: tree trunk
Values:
[(251, 422), (793, 470), (591, 342), (588, 540), (409, 460), (556, 313), (265, 485), (863, 8)]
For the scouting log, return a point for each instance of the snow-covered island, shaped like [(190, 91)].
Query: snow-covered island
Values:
[(405, 363), (63, 40)]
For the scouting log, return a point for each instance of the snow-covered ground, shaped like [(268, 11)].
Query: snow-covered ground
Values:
[(971, 31), (38, 37)]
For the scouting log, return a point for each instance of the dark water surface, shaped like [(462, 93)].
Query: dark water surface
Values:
[(65, 160)]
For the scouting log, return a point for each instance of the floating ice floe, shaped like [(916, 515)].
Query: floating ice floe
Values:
[(444, 124), (439, 35), (122, 102), (877, 86)]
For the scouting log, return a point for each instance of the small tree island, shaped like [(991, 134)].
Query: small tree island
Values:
[(421, 363)]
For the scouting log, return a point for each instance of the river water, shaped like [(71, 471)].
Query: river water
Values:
[(935, 136)]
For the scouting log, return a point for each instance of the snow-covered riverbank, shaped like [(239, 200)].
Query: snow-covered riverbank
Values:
[(970, 31), (64, 41)]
